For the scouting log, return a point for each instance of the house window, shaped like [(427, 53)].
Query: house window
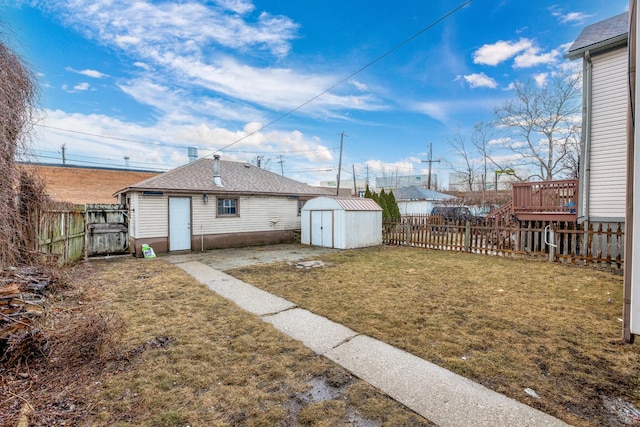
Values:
[(300, 205), (227, 207)]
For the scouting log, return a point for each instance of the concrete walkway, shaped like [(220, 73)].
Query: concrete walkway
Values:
[(441, 396)]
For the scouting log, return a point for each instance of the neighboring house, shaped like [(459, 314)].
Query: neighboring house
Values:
[(211, 203), (603, 163), (344, 191), (85, 185), (394, 182), (415, 200)]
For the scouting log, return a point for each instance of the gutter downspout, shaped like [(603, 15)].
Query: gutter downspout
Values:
[(585, 171), (629, 270)]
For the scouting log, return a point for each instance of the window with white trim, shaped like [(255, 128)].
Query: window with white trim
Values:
[(228, 207)]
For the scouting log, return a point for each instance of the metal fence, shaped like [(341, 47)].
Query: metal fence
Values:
[(591, 245)]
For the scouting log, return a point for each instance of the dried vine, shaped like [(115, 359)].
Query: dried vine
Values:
[(21, 192)]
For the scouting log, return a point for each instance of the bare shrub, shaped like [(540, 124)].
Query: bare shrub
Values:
[(20, 192), (92, 338)]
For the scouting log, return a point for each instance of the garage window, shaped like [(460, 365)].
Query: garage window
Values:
[(228, 207)]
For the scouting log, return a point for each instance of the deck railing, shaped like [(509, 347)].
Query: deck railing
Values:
[(540, 201)]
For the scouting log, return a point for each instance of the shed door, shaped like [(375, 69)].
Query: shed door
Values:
[(322, 228), (179, 223)]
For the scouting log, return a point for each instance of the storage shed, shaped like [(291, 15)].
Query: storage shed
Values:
[(342, 223)]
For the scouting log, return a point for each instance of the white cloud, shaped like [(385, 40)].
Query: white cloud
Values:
[(436, 110), (278, 88), (238, 6), (142, 65), (164, 144), (576, 18), (81, 86), (358, 85), (499, 141), (480, 80), (178, 27), (533, 57), (541, 79), (500, 51), (89, 73), (192, 45)]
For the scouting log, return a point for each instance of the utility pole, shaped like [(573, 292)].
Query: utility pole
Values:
[(64, 149), (281, 165), (340, 162), (259, 160), (355, 188), (430, 161)]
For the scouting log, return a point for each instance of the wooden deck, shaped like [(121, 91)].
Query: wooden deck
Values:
[(540, 201)]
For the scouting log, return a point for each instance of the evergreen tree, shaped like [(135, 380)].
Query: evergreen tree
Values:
[(392, 205), (367, 193), (382, 201)]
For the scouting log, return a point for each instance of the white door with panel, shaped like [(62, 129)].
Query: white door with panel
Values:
[(179, 223), (322, 228)]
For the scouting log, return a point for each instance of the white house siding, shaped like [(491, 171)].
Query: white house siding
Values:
[(152, 216), (133, 212), (415, 207), (256, 214), (608, 136)]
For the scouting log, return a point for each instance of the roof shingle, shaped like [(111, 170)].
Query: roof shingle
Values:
[(236, 178), (601, 35), (418, 193)]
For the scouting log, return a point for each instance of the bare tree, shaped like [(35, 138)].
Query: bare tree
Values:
[(467, 167), (480, 138), (544, 126), (18, 189)]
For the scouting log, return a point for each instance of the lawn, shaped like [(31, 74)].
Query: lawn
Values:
[(140, 342), (508, 324)]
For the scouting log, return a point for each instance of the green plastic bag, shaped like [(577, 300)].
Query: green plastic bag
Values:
[(147, 251)]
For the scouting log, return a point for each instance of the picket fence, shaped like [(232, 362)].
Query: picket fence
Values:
[(598, 245)]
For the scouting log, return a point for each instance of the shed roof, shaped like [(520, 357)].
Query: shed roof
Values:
[(344, 203), (236, 177), (415, 192), (602, 35), (357, 204)]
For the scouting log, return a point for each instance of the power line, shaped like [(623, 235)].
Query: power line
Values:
[(163, 144), (361, 69)]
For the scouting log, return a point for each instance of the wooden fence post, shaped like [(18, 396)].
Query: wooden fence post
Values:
[(467, 236), (407, 239), (552, 242)]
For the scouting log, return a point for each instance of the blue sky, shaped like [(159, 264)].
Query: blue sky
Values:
[(147, 79)]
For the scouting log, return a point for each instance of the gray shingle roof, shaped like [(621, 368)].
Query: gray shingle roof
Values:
[(601, 35), (236, 178), (418, 193)]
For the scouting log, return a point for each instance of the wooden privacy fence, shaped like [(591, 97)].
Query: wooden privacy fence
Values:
[(67, 233), (60, 233), (592, 245)]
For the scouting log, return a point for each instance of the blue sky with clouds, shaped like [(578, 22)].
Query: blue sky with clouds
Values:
[(147, 79)]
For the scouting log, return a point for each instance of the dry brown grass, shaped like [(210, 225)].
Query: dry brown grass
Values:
[(508, 324), (173, 353)]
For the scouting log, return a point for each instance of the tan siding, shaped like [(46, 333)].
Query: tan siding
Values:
[(608, 135), (152, 218), (256, 214)]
